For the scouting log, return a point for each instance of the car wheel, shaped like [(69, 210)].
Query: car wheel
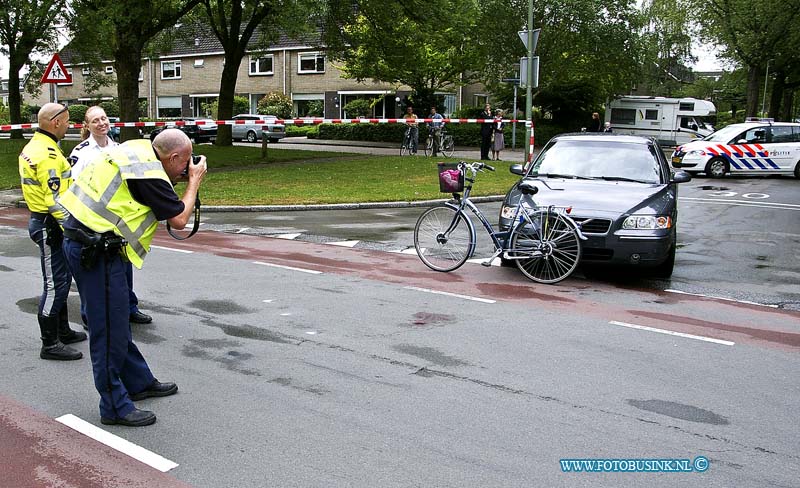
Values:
[(797, 170), (716, 168), (251, 136), (664, 270)]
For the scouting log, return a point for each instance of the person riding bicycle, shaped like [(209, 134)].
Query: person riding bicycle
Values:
[(436, 129), (413, 129)]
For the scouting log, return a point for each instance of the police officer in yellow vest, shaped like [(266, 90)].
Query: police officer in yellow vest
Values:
[(45, 174), (115, 204)]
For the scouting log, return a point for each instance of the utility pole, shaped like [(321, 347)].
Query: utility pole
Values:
[(529, 82)]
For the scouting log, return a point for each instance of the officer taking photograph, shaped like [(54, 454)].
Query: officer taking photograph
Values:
[(115, 205), (45, 174)]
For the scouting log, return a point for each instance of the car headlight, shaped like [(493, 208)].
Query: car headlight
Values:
[(647, 222), (507, 212), (696, 152)]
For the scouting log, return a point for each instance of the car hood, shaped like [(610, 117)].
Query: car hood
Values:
[(598, 198), (690, 146)]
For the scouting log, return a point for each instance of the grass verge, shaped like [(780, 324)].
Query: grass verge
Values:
[(239, 176)]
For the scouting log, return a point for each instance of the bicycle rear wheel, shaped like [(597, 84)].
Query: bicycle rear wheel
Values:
[(549, 250), (448, 146), (429, 146), (404, 148), (443, 238)]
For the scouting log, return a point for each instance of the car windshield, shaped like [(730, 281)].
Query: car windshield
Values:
[(725, 134), (602, 160)]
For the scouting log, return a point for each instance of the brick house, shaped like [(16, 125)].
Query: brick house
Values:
[(178, 83)]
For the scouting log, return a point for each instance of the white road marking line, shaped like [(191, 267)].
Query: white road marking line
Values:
[(455, 295), (184, 251), (408, 250), (722, 298), (267, 301), (344, 243), (285, 314), (672, 333), (126, 447), (496, 262), (286, 236), (745, 203), (243, 229), (302, 270)]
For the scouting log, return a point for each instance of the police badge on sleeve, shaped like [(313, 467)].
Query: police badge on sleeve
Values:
[(54, 183)]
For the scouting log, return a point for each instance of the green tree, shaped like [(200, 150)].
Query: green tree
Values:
[(667, 44), (26, 28), (235, 23), (752, 34), (121, 30)]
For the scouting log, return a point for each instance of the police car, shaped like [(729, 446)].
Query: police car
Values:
[(754, 148)]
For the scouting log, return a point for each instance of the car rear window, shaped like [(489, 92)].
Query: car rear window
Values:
[(599, 159)]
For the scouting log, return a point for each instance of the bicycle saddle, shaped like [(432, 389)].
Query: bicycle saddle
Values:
[(528, 188)]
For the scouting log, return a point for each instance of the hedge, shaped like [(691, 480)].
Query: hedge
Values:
[(463, 134)]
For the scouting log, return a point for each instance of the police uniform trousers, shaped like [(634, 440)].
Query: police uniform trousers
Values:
[(133, 300), (117, 364), (55, 272)]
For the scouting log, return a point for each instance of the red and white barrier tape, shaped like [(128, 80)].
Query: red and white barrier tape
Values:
[(299, 122)]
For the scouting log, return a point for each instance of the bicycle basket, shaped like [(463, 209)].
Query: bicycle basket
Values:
[(451, 178)]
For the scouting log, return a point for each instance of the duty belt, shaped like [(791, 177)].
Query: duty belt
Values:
[(95, 244)]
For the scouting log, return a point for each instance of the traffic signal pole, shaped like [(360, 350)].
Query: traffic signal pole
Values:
[(528, 83)]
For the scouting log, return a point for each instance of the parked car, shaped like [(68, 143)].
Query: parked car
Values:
[(204, 132), (249, 131), (752, 148), (621, 191)]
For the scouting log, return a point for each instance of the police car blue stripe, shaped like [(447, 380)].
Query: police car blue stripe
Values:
[(759, 163), (746, 163), (732, 162), (772, 163)]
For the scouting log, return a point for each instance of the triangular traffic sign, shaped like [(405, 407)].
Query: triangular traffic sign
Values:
[(56, 72)]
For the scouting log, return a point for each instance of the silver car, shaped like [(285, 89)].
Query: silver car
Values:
[(246, 128)]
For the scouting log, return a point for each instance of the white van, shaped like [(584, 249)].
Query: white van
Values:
[(755, 148), (671, 121)]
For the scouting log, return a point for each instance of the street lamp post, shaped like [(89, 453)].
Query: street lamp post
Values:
[(764, 97)]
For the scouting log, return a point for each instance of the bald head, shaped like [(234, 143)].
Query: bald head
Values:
[(54, 118), (174, 150)]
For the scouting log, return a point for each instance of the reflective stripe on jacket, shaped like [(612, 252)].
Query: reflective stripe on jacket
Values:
[(45, 174), (100, 198)]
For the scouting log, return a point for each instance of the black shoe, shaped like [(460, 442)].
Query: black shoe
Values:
[(71, 337), (137, 418), (138, 317), (59, 352), (157, 389)]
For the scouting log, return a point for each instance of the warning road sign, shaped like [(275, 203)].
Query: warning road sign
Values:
[(56, 72)]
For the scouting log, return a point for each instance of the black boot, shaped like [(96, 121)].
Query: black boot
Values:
[(52, 348), (65, 334)]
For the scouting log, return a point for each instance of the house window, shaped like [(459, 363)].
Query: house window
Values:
[(169, 106), (480, 100), (85, 71), (170, 70), (311, 63), (198, 63), (109, 70), (141, 74), (261, 65)]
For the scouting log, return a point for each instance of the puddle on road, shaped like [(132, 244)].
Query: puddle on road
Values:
[(679, 411)]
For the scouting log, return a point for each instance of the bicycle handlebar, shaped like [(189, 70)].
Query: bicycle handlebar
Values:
[(477, 166)]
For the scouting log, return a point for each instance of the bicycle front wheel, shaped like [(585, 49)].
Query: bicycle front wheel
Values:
[(429, 146), (547, 251), (443, 238), (448, 146), (404, 149)]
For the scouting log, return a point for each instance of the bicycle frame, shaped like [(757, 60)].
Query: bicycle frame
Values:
[(499, 239)]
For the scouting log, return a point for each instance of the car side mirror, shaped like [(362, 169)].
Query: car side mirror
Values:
[(741, 141), (681, 177), (517, 169)]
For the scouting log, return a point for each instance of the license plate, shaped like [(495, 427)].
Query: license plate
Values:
[(676, 159)]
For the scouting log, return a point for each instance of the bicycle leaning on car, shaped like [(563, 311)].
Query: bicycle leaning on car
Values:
[(544, 242)]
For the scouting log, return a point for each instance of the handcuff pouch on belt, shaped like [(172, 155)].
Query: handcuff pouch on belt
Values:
[(95, 245)]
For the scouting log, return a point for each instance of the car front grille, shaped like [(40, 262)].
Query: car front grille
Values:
[(593, 226)]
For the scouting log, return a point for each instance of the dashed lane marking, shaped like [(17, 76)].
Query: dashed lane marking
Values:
[(722, 298), (184, 251), (292, 268), (243, 229), (126, 447), (455, 295), (286, 236), (344, 243), (672, 333)]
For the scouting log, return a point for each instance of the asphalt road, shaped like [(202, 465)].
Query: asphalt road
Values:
[(302, 363)]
